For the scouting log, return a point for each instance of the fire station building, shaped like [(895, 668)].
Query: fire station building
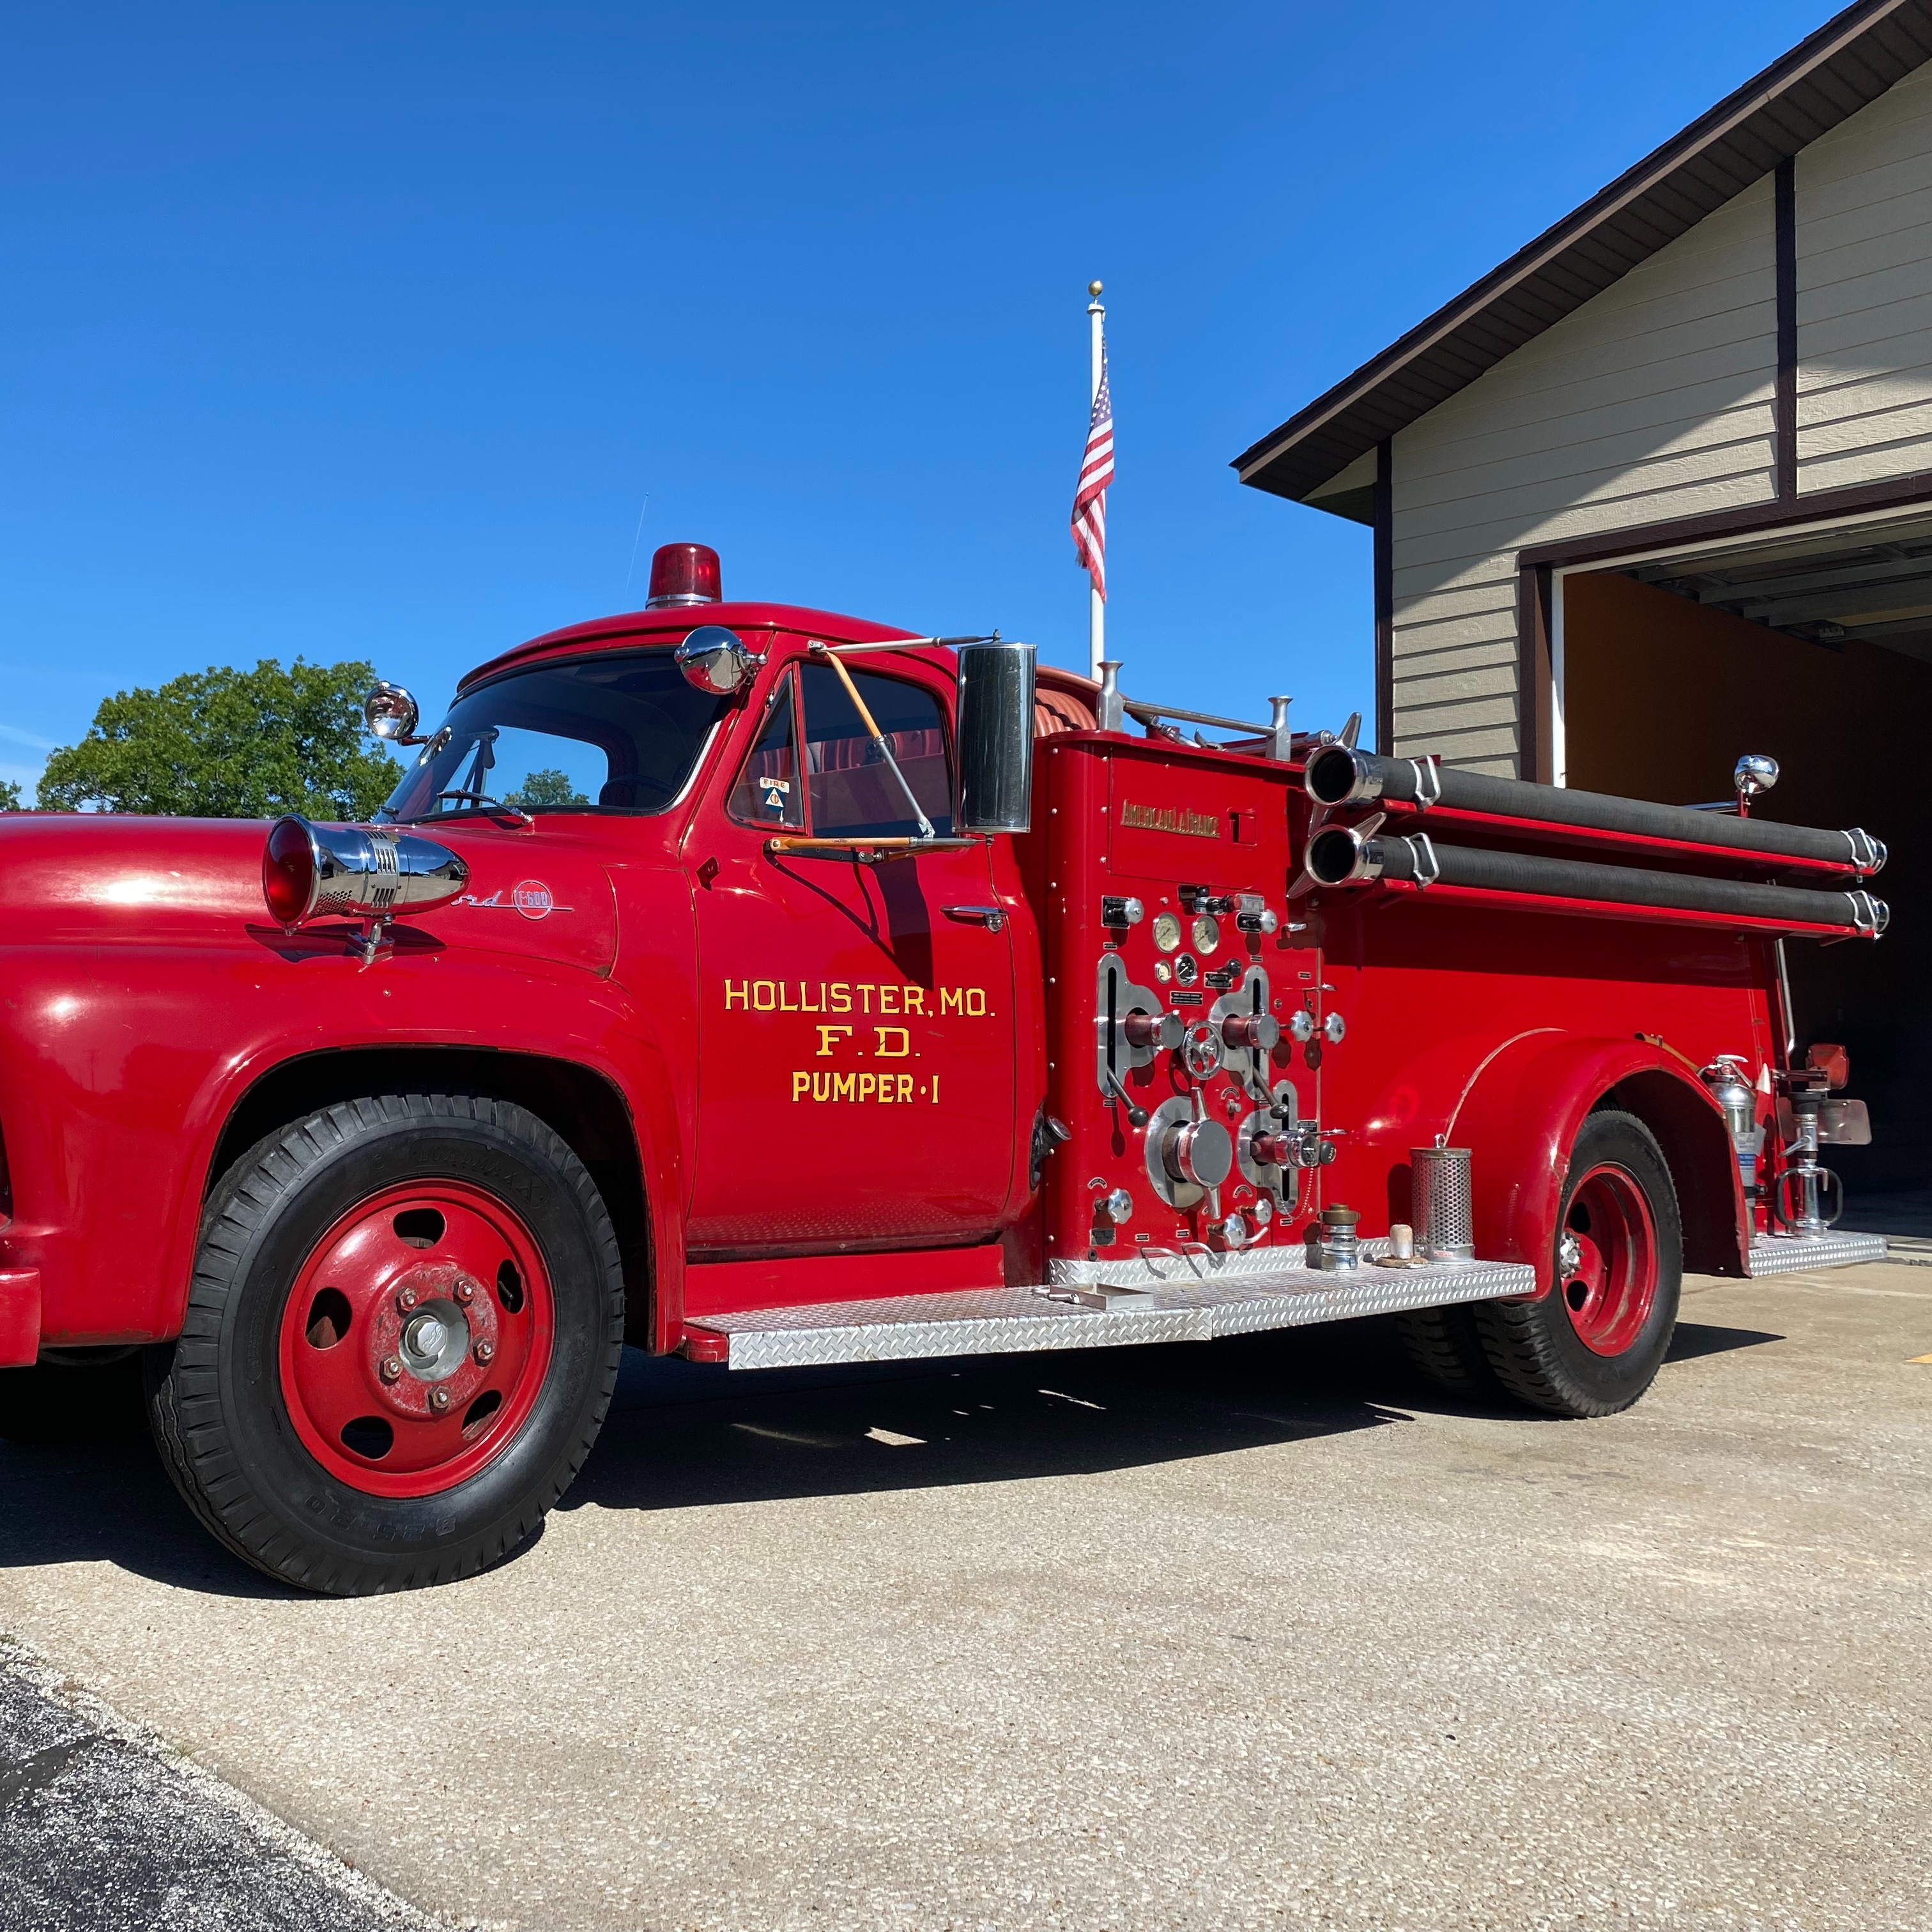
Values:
[(1658, 491)]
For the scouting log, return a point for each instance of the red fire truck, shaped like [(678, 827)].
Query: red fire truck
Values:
[(748, 982)]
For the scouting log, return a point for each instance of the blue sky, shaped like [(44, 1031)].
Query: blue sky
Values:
[(367, 331)]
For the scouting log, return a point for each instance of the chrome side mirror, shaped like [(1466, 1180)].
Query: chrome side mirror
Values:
[(717, 660), (390, 714), (996, 734), (1755, 773)]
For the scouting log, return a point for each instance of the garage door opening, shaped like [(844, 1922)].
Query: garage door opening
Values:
[(1817, 648)]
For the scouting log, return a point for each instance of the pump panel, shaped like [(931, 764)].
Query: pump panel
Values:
[(1167, 867)]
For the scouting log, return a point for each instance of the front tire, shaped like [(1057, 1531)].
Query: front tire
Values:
[(1594, 1344), (401, 1338)]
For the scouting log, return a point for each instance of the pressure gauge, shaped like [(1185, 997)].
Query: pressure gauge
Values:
[(1207, 933), (1163, 971), (1187, 969), (1166, 931)]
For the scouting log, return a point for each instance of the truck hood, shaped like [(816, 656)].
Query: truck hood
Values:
[(88, 876)]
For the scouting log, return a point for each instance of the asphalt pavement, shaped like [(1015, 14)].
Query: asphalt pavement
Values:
[(1254, 1633), (102, 1826)]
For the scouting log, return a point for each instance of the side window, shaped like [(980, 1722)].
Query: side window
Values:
[(768, 792), (852, 790)]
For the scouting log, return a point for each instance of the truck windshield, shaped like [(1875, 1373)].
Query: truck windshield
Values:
[(618, 732)]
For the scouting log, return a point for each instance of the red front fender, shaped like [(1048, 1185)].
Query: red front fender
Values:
[(1520, 1116)]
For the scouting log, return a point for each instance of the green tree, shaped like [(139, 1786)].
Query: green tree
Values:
[(10, 796), (223, 743), (546, 786)]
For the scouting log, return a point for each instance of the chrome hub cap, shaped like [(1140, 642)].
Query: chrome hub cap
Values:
[(434, 1340)]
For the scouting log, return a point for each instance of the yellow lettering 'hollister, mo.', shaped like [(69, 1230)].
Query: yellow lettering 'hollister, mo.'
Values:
[(902, 1001), (1171, 818)]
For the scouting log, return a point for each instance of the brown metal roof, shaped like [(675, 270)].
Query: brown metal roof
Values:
[(1849, 62)]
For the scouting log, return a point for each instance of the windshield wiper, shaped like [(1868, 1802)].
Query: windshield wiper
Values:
[(482, 801)]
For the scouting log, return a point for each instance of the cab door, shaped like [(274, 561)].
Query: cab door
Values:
[(856, 1080)]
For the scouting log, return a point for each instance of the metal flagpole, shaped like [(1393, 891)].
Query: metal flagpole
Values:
[(1096, 604)]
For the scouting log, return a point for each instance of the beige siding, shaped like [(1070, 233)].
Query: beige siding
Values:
[(1864, 294), (1653, 401)]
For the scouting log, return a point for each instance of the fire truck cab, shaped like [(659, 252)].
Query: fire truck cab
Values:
[(775, 987)]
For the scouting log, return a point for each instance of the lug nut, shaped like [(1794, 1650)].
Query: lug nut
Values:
[(439, 1399), (486, 1352), (392, 1367), (466, 1292), (407, 1300)]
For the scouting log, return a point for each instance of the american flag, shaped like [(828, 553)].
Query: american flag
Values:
[(1096, 471)]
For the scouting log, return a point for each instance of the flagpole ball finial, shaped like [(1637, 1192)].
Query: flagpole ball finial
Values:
[(1093, 288)]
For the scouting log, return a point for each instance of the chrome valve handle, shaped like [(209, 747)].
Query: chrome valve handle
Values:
[(1259, 1031), (1154, 1030)]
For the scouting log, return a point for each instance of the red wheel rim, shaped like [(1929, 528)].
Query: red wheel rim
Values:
[(1607, 1260), (416, 1338)]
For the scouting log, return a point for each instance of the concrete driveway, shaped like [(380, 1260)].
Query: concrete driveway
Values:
[(1256, 1632)]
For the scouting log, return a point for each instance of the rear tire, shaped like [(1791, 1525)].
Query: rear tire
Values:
[(401, 1338), (1446, 1345), (1594, 1342)]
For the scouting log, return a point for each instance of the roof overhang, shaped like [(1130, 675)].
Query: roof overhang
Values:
[(1847, 64)]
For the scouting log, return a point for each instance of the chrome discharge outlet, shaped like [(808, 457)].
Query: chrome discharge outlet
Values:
[(1803, 1185), (1334, 1247), (1439, 1208), (1201, 1153)]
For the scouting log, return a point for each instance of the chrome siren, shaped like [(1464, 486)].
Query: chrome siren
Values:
[(354, 872)]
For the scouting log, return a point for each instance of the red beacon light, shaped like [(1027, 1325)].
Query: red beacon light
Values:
[(684, 573)]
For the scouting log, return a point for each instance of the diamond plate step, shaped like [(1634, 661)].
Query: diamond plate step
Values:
[(1785, 1254), (1180, 1298)]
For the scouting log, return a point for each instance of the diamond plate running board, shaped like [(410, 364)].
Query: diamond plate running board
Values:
[(1191, 1298), (1786, 1254)]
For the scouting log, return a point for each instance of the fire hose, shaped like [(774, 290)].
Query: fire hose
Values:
[(1337, 775), (1339, 856)]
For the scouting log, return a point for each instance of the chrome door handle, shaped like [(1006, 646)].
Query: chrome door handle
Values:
[(993, 918)]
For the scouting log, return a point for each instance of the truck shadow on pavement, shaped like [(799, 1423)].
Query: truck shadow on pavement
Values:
[(681, 1436)]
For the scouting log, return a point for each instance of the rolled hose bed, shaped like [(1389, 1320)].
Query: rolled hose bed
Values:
[(1338, 857), (1335, 775)]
